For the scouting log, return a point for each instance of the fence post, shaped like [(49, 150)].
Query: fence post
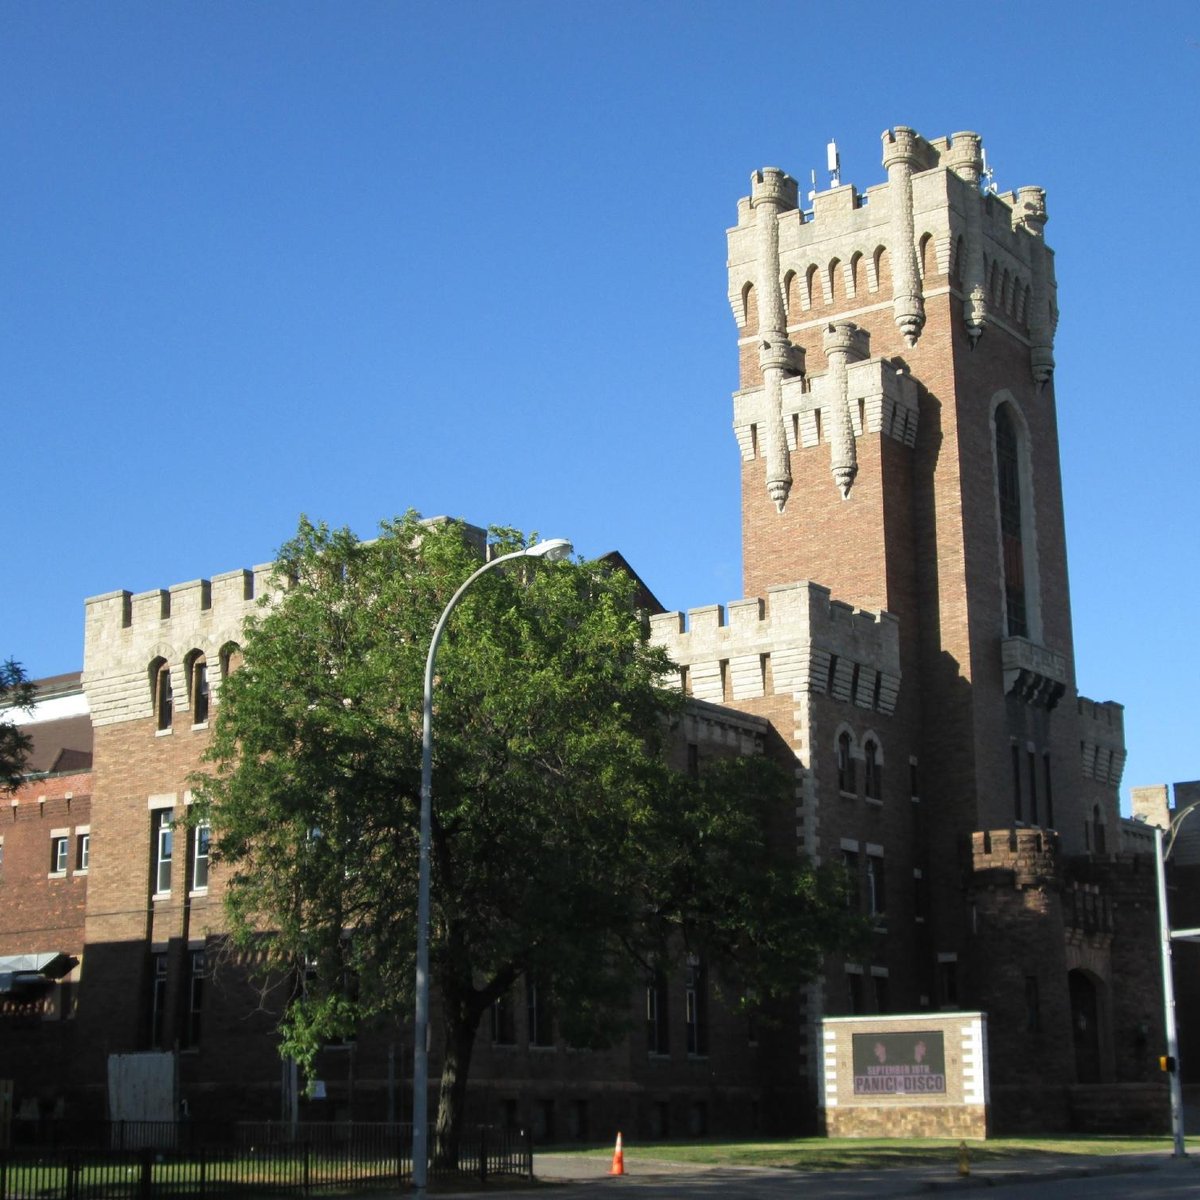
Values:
[(145, 1183), (483, 1149), (72, 1178), (528, 1138), (203, 1171), (306, 1170)]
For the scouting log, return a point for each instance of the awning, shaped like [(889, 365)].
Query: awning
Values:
[(22, 970)]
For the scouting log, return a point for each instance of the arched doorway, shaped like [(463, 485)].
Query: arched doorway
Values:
[(1085, 1026)]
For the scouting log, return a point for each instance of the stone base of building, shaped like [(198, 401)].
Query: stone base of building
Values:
[(928, 1120)]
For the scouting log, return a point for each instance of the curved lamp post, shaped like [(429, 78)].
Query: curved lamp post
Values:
[(1164, 927), (552, 550)]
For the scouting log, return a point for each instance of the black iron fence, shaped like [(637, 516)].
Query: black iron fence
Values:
[(144, 1160)]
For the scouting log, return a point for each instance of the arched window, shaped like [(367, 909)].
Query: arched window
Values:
[(872, 771), (160, 693), (810, 288), (835, 281), (749, 309), (197, 683), (1008, 467), (883, 270), (845, 764), (928, 256), (791, 294), (231, 659)]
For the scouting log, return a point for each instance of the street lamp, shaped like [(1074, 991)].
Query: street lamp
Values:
[(551, 550), (1165, 936)]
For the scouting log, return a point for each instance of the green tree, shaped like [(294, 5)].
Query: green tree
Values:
[(16, 692), (564, 848)]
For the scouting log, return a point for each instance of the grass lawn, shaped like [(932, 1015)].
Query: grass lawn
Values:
[(837, 1154)]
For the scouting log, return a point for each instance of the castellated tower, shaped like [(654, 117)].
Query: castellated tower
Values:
[(908, 629)]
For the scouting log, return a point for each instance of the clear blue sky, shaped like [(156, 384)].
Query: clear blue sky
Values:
[(259, 259)]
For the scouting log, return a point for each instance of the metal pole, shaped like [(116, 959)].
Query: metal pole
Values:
[(1164, 932), (551, 550)]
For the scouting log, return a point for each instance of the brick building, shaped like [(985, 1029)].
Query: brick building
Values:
[(907, 626), (905, 644)]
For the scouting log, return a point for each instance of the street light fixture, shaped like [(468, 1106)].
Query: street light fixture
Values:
[(1164, 928), (552, 550)]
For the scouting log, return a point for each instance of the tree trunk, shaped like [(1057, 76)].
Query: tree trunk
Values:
[(460, 1027)]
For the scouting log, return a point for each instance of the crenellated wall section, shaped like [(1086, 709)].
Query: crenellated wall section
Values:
[(125, 633), (798, 640)]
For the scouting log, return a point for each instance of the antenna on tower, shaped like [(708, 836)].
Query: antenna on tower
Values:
[(987, 178), (834, 164), (812, 195)]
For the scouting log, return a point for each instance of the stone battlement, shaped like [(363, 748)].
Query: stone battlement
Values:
[(930, 220), (1031, 855), (1102, 740), (125, 633), (881, 397), (798, 640)]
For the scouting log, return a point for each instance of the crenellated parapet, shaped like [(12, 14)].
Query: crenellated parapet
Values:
[(129, 637), (1019, 857), (798, 641), (1102, 740), (929, 227), (878, 396)]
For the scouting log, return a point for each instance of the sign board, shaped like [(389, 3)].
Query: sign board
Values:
[(899, 1064)]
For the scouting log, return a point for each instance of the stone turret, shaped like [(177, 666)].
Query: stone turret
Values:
[(905, 152), (772, 193)]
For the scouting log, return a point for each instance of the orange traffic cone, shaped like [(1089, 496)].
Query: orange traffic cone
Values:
[(618, 1167)]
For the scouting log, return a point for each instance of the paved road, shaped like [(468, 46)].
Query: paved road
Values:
[(1063, 1177)]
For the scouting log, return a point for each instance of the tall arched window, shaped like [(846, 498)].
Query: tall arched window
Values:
[(197, 682), (160, 692), (872, 773), (1008, 466), (845, 764)]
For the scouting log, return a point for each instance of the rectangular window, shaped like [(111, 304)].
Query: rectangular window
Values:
[(164, 841), (854, 992), (657, 1030), (158, 999), (58, 855), (201, 836), (697, 1008), (83, 851), (853, 887), (1049, 791), (504, 1031), (876, 895), (1016, 782), (1033, 796), (539, 1013), (879, 984), (948, 982), (920, 895), (197, 974)]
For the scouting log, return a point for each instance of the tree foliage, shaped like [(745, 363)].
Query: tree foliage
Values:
[(16, 692), (564, 848)]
